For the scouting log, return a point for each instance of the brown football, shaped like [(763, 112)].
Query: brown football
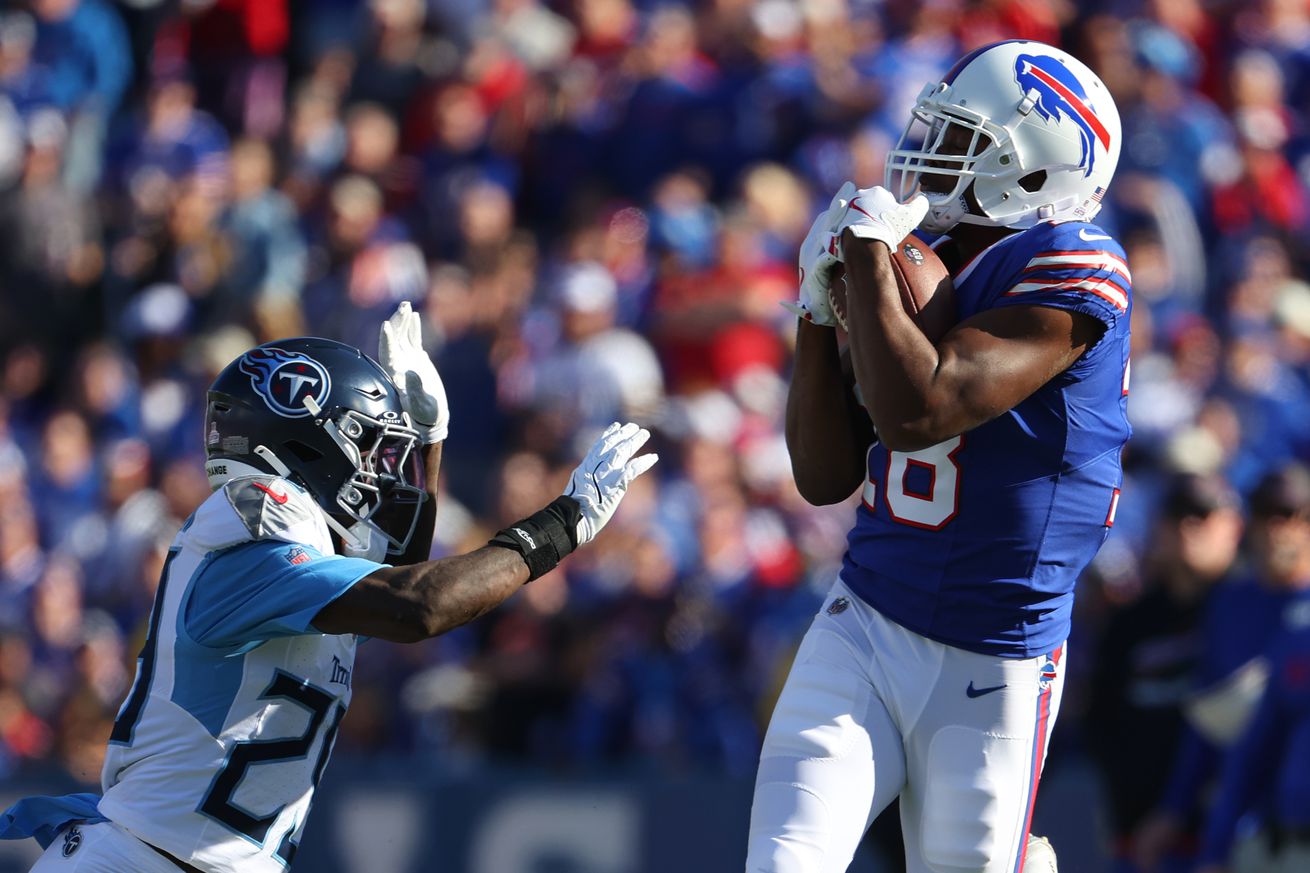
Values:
[(926, 288)]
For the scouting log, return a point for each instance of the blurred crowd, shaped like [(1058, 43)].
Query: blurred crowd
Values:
[(595, 204)]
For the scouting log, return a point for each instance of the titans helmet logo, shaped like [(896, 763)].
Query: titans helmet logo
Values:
[(284, 380), (1061, 95)]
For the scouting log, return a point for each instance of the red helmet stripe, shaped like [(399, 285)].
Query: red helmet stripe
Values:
[(1076, 102)]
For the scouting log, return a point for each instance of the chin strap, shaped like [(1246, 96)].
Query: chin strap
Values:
[(373, 547), (266, 454), (350, 541)]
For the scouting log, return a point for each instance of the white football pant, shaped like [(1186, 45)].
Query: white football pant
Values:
[(101, 848), (871, 711)]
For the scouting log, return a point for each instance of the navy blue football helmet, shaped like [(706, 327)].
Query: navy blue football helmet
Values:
[(327, 417)]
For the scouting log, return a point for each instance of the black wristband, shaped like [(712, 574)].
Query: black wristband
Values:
[(545, 537)]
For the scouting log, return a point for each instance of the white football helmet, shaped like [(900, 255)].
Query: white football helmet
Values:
[(1030, 127)]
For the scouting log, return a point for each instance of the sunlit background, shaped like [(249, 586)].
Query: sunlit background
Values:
[(596, 204)]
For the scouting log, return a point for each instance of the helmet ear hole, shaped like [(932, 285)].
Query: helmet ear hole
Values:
[(303, 452), (1033, 182)]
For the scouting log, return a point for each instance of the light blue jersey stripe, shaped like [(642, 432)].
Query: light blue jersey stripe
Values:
[(205, 680)]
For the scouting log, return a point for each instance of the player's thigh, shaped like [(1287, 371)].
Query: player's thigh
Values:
[(832, 758), (974, 760), (100, 848)]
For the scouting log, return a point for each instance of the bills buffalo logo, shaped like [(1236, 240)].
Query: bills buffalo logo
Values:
[(1048, 674), (1060, 95), (286, 379)]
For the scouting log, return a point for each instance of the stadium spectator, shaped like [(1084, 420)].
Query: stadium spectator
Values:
[(268, 258), (594, 372), (1145, 664), (84, 59), (1266, 775), (367, 262), (278, 169), (1241, 617)]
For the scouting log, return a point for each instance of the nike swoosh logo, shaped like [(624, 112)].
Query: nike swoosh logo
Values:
[(979, 692), (277, 498), (1090, 237)]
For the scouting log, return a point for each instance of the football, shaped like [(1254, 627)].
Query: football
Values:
[(926, 288)]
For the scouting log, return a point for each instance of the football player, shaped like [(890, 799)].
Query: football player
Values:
[(934, 669), (245, 674)]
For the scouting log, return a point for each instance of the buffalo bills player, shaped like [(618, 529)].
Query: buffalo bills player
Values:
[(989, 467), (245, 673)]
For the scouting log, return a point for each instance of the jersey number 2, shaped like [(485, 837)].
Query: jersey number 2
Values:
[(218, 803), (934, 499)]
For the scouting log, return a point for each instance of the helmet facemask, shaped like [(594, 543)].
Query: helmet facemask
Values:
[(944, 148), (384, 494)]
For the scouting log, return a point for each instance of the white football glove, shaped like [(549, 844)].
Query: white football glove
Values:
[(875, 213), (603, 477), (422, 393), (820, 252)]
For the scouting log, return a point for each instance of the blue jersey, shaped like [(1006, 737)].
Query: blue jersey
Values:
[(977, 541)]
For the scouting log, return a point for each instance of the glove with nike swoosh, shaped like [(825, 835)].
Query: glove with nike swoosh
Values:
[(544, 538), (875, 213), (820, 252), (603, 477), (422, 393)]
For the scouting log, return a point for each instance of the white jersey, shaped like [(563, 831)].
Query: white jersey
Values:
[(217, 750)]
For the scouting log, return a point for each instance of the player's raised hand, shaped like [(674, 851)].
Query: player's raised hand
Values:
[(875, 213), (603, 477), (422, 393), (819, 254)]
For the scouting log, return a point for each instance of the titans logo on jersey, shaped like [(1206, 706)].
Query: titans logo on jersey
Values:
[(220, 744), (976, 542)]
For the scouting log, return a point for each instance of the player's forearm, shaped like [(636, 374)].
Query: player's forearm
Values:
[(825, 447), (420, 545), (896, 365), (406, 604)]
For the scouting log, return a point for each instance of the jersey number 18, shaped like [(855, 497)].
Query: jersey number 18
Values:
[(930, 506)]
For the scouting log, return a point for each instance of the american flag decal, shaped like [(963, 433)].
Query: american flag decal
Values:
[(1098, 194)]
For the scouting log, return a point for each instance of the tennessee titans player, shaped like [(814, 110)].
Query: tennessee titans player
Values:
[(989, 468), (245, 673)]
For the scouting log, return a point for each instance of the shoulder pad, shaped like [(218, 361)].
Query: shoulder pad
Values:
[(271, 508), (1078, 236)]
